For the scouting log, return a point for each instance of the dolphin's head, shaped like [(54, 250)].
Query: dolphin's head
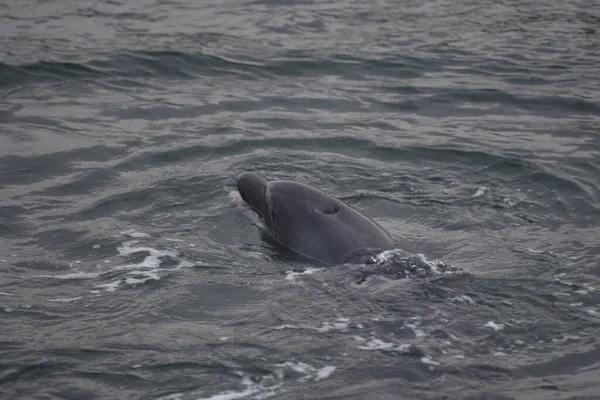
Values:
[(252, 189)]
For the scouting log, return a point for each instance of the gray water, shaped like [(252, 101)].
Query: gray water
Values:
[(468, 129)]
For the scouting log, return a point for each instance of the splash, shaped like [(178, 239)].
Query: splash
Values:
[(398, 264)]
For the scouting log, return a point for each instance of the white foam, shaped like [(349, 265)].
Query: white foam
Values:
[(6, 294), (131, 274), (494, 326), (132, 233), (325, 372), (173, 240), (529, 249), (308, 372), (384, 256), (235, 197), (462, 299), (291, 275), (144, 271), (151, 261), (251, 388), (565, 338), (4, 261), (270, 385), (110, 287), (74, 275), (147, 275), (562, 294), (328, 326), (286, 326), (96, 246), (428, 360), (67, 300), (176, 396), (417, 331), (509, 202), (378, 344), (480, 191)]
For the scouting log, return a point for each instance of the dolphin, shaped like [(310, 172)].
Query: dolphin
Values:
[(310, 222)]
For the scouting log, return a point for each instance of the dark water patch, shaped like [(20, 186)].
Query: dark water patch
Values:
[(564, 365), (11, 224), (21, 170), (400, 106), (507, 67), (43, 71), (312, 64), (562, 184), (88, 12), (33, 371), (136, 65), (160, 196), (86, 182), (233, 147), (119, 378), (182, 65), (510, 168), (557, 105), (128, 205), (487, 372), (62, 238), (403, 90), (242, 106), (337, 144), (38, 265), (549, 106)]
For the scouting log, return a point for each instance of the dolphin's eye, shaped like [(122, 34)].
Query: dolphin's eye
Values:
[(331, 210)]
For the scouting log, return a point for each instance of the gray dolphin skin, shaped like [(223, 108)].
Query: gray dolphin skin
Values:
[(311, 222)]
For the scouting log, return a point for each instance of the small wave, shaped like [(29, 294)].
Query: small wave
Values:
[(134, 64)]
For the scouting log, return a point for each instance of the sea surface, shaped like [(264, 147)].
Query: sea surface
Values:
[(470, 130)]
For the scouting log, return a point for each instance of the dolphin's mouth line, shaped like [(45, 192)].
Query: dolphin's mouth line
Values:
[(246, 206), (253, 215)]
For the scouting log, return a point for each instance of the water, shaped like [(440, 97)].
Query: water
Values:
[(469, 130)]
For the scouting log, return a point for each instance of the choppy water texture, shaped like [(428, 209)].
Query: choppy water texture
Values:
[(469, 130)]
